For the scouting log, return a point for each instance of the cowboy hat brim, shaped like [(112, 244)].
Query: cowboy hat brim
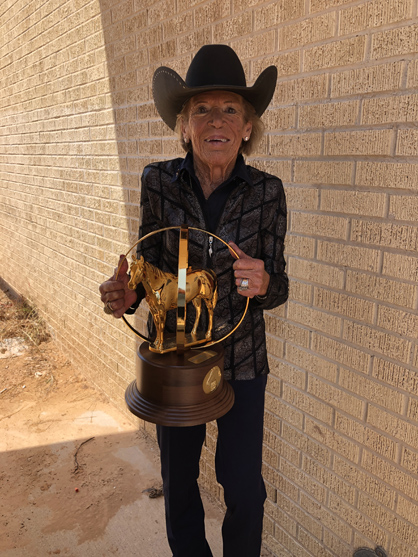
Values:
[(171, 92)]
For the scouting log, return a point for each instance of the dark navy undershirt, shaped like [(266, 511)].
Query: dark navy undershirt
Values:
[(213, 206)]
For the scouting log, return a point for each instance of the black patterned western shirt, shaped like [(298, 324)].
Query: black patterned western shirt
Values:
[(252, 213)]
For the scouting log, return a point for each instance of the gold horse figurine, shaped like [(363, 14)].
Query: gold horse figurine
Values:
[(161, 291)]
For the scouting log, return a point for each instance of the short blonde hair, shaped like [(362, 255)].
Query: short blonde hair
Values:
[(247, 147)]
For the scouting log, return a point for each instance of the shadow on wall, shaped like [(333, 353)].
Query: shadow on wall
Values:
[(133, 38)]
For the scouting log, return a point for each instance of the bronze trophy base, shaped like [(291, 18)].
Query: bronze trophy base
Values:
[(179, 389)]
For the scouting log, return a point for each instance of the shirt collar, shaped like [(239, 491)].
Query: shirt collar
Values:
[(240, 170)]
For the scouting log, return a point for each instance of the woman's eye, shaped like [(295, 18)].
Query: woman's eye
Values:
[(230, 110), (201, 110)]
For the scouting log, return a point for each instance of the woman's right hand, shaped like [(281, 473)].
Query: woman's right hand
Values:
[(115, 293)]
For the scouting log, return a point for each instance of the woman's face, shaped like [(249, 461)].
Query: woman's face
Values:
[(216, 127)]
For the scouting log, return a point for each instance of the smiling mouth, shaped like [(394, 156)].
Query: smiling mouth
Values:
[(216, 140)]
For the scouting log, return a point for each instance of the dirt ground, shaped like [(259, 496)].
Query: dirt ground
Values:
[(77, 478)]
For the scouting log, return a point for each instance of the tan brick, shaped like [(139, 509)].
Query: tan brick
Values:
[(408, 510), (308, 31), (355, 202), (357, 520), (400, 266), (255, 46), (308, 404), (393, 426), (348, 256), (335, 397), (233, 27), (282, 328), (302, 89), (281, 408), (285, 546), (412, 79), (402, 322), (314, 319), (287, 373), (407, 142), (300, 291), (381, 288), (287, 64), (366, 436), (318, 5), (385, 234), (401, 549), (395, 375), (412, 411), (334, 543), (275, 346), (192, 41), (302, 198), (340, 352), (277, 12), (403, 207), (402, 108), (280, 119), (166, 7), (176, 25), (343, 304), (282, 448), (323, 516), (299, 145), (160, 53), (312, 363), (305, 482), (310, 271), (329, 115), (373, 14), (372, 391), (182, 5), (214, 11), (373, 142), (384, 77), (409, 460), (395, 42), (324, 173), (272, 422), (332, 440), (303, 443), (323, 225), (377, 341), (300, 246), (337, 53), (278, 514), (387, 520), (365, 482), (282, 169), (301, 517)]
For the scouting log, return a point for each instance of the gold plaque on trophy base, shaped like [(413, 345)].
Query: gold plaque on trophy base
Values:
[(179, 389)]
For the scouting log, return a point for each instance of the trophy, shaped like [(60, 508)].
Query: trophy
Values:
[(179, 378)]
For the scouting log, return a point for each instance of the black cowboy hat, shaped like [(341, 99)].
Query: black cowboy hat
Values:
[(215, 67)]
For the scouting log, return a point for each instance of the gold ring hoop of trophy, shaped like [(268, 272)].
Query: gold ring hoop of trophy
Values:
[(179, 382)]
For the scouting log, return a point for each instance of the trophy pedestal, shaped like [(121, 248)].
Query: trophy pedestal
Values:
[(179, 389)]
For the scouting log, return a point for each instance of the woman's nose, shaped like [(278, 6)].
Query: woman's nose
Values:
[(216, 115)]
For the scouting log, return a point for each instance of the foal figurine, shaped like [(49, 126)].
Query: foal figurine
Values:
[(161, 291)]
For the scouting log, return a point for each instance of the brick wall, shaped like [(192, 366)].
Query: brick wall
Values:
[(77, 125)]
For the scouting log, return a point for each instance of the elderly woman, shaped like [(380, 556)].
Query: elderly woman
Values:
[(217, 118)]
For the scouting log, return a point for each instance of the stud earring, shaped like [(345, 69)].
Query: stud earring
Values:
[(246, 138)]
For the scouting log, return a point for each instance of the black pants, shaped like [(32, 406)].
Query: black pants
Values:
[(238, 464)]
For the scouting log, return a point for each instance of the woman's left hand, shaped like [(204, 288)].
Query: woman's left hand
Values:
[(251, 277)]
